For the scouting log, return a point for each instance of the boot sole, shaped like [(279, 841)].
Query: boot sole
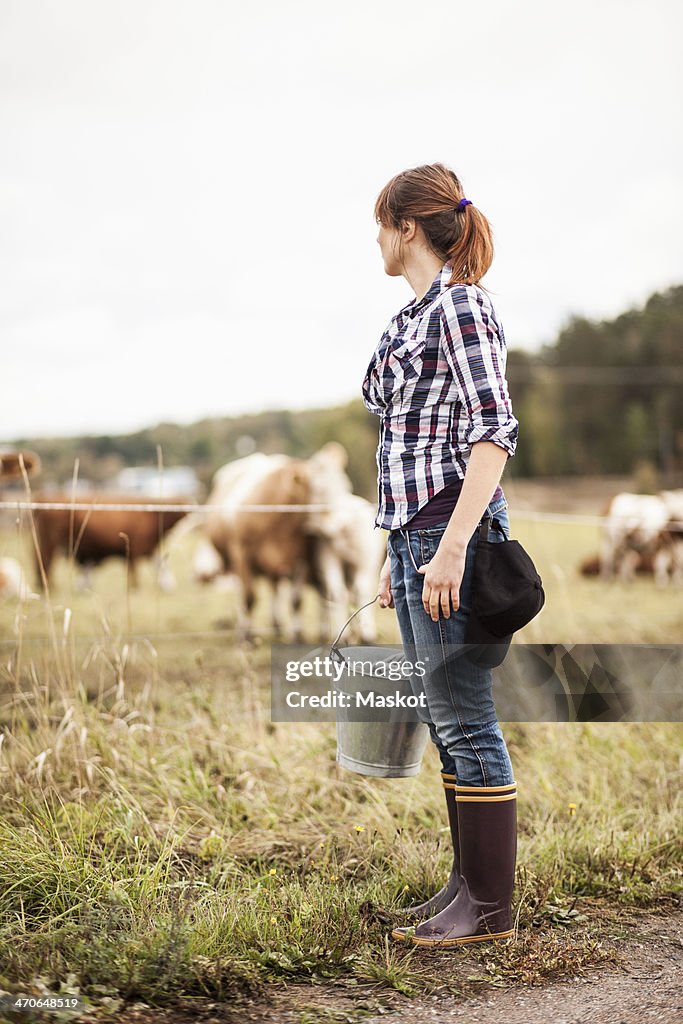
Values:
[(417, 941)]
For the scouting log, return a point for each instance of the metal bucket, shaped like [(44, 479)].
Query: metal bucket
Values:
[(388, 743), (389, 750)]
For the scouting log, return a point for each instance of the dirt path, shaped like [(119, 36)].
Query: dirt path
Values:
[(643, 985), (646, 987)]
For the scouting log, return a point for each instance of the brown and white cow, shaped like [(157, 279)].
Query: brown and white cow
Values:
[(253, 544), (292, 549), (630, 532), (92, 535), (643, 533)]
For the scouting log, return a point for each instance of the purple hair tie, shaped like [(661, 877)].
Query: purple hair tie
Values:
[(463, 202)]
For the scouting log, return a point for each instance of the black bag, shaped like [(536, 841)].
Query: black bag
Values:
[(507, 593)]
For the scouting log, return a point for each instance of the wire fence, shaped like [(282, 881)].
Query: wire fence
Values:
[(86, 506), (95, 506)]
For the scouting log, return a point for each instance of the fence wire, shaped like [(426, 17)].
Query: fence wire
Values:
[(94, 506)]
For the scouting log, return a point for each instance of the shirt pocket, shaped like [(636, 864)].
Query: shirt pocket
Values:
[(405, 358)]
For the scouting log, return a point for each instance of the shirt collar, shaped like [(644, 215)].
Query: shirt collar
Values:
[(439, 284)]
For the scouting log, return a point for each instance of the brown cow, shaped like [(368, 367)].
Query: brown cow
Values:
[(96, 534), (10, 464), (269, 544)]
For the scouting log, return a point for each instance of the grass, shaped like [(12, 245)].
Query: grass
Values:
[(161, 839)]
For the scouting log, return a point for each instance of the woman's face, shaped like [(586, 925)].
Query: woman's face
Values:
[(388, 241)]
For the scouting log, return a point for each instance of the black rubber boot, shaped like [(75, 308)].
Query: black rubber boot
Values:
[(482, 909), (449, 891)]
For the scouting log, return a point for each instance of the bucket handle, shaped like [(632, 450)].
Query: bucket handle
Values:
[(352, 616)]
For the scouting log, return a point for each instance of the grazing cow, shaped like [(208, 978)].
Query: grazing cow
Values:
[(269, 544), (631, 531), (13, 581), (291, 549), (94, 535)]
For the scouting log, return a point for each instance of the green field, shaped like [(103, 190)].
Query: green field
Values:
[(162, 839)]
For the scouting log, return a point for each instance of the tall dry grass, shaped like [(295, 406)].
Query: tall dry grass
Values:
[(160, 837)]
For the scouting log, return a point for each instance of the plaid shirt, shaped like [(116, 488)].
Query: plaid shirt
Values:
[(437, 379)]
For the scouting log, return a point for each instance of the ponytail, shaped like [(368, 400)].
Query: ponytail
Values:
[(471, 254)]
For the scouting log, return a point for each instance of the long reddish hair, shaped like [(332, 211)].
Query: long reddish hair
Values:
[(430, 194)]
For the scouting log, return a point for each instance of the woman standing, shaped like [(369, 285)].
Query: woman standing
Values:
[(437, 380)]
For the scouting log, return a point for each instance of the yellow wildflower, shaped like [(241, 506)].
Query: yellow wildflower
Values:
[(273, 871), (359, 828), (572, 809)]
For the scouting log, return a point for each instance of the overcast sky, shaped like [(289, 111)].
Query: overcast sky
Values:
[(187, 187)]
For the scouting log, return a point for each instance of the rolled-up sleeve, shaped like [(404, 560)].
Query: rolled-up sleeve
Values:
[(474, 348)]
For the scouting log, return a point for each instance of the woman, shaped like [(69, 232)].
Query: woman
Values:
[(437, 380)]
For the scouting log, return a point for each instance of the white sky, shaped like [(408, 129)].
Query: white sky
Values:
[(186, 187)]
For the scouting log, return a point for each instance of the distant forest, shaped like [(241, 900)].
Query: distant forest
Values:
[(604, 398)]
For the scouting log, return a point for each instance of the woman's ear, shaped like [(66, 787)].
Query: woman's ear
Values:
[(408, 228)]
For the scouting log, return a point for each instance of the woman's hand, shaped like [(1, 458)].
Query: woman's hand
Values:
[(442, 578), (386, 598)]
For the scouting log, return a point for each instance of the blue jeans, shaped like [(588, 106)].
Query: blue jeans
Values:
[(459, 694)]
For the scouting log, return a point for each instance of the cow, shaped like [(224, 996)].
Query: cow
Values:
[(270, 544), (93, 535), (291, 549), (11, 464), (630, 532), (641, 534)]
